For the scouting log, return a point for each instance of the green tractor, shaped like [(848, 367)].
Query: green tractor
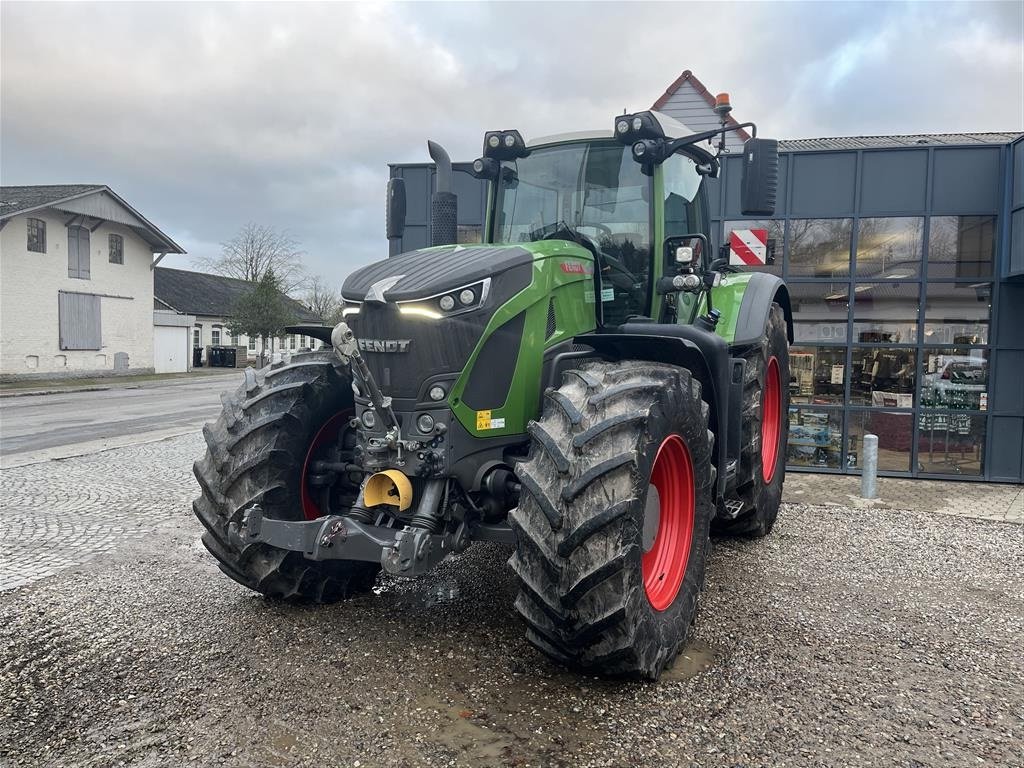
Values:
[(590, 386)]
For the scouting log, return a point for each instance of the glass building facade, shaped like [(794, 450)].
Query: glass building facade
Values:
[(907, 296)]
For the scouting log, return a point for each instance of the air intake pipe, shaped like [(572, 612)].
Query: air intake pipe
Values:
[(443, 203)]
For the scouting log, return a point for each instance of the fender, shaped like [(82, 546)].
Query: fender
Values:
[(319, 332), (762, 290), (705, 354)]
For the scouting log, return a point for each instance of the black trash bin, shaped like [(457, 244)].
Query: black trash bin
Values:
[(228, 359), (197, 357), (216, 357)]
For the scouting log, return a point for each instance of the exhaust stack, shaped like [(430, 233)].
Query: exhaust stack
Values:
[(443, 203)]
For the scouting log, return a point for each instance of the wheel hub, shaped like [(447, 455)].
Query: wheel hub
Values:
[(668, 523)]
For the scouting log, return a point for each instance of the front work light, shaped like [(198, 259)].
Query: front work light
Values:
[(643, 125), (504, 145)]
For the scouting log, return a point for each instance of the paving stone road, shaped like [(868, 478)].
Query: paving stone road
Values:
[(853, 636)]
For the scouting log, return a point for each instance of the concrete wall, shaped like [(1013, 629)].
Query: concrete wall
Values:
[(29, 286)]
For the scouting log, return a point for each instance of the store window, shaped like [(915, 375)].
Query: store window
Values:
[(736, 234), (819, 247), (883, 377), (957, 313), (815, 438), (817, 375), (895, 431), (955, 378), (950, 443), (886, 313), (889, 247), (820, 312), (961, 246)]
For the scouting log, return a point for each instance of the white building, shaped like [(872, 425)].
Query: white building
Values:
[(76, 282)]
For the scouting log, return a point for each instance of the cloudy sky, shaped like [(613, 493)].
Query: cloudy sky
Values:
[(206, 116)]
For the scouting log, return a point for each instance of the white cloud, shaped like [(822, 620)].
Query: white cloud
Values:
[(210, 115)]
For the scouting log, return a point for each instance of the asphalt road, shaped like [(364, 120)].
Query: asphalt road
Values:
[(35, 427)]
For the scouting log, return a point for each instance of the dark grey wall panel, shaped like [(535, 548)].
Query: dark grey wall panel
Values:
[(1010, 320), (1016, 265), (823, 184), (1005, 460), (1018, 174), (714, 187), (966, 181), (733, 176), (894, 182), (1007, 386)]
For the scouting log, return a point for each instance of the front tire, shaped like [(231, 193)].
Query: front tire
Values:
[(612, 524), (258, 451), (762, 465)]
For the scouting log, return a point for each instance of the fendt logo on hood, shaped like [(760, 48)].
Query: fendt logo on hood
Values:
[(384, 345)]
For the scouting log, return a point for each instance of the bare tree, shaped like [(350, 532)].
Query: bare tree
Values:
[(254, 251), (323, 301)]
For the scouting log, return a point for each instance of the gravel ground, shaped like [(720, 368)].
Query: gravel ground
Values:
[(848, 638)]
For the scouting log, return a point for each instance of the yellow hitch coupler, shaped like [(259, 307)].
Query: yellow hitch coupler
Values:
[(389, 487)]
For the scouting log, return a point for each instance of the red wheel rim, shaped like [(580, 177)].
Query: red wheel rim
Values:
[(327, 433), (664, 565), (771, 419)]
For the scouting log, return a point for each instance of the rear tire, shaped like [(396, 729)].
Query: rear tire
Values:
[(257, 453), (590, 596), (762, 466)]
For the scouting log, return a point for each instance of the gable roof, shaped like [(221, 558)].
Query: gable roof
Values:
[(688, 78), (198, 293), (96, 201)]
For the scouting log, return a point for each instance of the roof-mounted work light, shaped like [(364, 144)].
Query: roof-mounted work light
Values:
[(504, 145), (632, 128)]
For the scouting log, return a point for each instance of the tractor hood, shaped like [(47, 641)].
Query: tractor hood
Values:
[(430, 271)]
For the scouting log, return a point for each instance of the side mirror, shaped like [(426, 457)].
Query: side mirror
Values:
[(395, 213), (760, 177)]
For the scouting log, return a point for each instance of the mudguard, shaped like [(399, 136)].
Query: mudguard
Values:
[(761, 291), (705, 354)]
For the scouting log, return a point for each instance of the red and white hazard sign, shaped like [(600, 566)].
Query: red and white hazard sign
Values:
[(748, 247)]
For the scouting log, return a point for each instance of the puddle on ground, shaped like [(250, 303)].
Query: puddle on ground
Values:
[(694, 659)]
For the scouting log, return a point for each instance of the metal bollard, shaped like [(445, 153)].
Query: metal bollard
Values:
[(869, 473)]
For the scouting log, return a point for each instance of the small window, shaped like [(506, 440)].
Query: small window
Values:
[(197, 337), (235, 338), (215, 337), (37, 235), (116, 249), (291, 341), (252, 343)]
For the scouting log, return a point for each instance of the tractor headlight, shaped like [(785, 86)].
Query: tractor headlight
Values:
[(454, 302), (494, 141), (425, 423), (369, 419), (643, 125), (622, 126), (436, 393), (637, 123)]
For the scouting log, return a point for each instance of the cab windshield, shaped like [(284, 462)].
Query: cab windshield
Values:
[(594, 193)]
